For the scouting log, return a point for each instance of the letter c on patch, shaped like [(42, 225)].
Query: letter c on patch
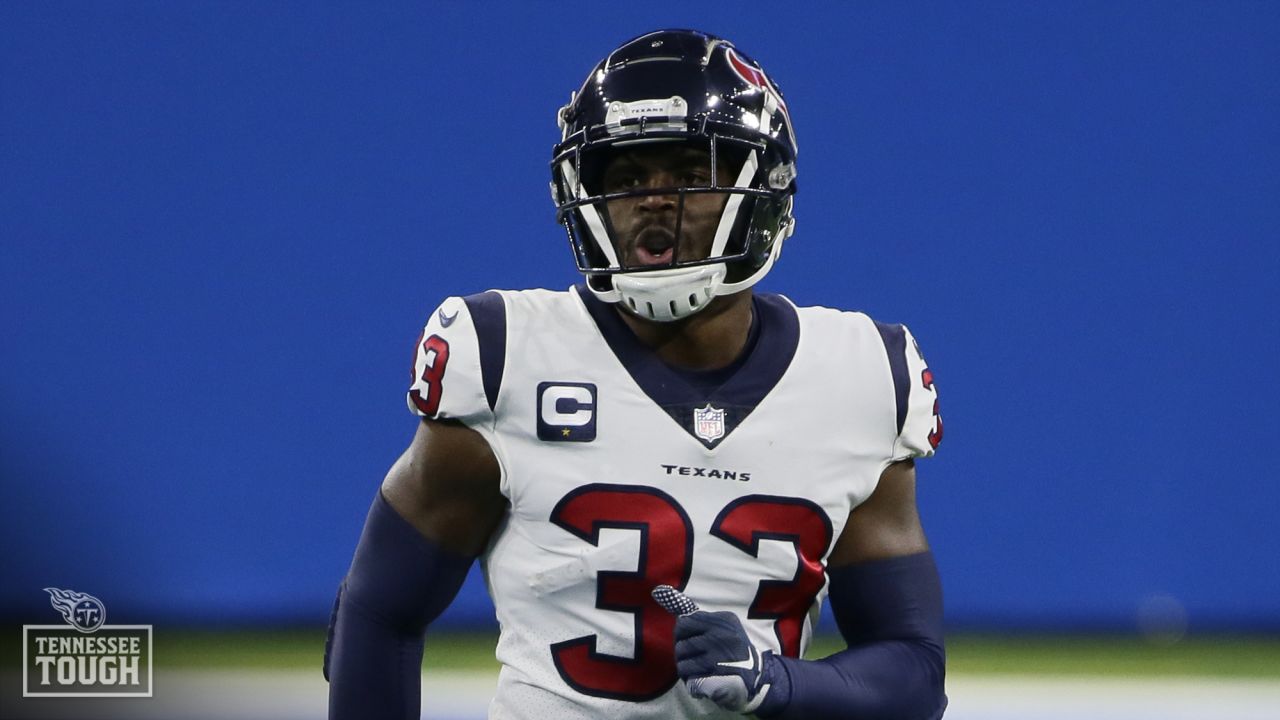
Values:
[(567, 405), (566, 411)]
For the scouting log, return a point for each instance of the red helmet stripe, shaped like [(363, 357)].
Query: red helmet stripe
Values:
[(756, 78)]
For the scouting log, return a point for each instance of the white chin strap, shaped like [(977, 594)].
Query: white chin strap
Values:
[(675, 293), (671, 294)]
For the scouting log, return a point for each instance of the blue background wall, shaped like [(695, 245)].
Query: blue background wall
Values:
[(222, 224)]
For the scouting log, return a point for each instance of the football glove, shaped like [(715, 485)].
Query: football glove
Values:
[(714, 656)]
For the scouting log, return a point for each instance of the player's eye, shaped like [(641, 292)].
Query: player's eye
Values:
[(621, 181), (695, 178)]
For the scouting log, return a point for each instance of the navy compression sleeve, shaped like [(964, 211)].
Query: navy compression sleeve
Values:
[(399, 582), (890, 614)]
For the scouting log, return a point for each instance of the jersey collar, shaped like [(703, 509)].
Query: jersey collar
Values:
[(709, 414)]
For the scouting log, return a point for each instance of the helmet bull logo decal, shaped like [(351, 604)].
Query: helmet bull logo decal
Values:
[(756, 78)]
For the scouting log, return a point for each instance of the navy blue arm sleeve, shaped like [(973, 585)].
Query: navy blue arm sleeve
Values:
[(398, 583), (890, 614)]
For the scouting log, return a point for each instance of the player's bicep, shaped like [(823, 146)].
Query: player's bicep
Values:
[(887, 524), (447, 485)]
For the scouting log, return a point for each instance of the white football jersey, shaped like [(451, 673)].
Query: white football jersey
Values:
[(623, 474)]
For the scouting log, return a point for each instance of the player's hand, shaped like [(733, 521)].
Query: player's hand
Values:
[(714, 657)]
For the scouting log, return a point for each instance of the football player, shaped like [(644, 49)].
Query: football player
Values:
[(663, 473)]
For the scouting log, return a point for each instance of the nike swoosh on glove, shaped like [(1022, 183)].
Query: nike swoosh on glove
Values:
[(714, 657)]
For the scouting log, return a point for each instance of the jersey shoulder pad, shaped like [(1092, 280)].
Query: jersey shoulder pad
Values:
[(459, 359), (919, 425)]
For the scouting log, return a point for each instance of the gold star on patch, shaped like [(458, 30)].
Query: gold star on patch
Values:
[(565, 432)]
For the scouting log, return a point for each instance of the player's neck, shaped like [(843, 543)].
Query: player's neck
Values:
[(707, 340)]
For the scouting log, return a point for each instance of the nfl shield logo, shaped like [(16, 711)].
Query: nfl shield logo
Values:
[(708, 423)]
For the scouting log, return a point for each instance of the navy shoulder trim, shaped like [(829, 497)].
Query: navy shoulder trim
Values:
[(895, 344), (489, 316)]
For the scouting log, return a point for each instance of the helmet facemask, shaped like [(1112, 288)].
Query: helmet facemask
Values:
[(710, 203), (666, 250)]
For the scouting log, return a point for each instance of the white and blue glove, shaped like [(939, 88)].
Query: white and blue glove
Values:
[(714, 656)]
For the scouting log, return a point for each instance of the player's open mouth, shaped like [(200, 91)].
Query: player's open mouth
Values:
[(645, 256), (655, 245)]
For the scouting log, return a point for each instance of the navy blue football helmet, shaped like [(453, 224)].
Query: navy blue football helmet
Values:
[(688, 87)]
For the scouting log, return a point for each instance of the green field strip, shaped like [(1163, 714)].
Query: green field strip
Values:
[(1123, 656), (973, 654)]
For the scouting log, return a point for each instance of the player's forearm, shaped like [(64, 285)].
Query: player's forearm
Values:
[(889, 680), (398, 583), (890, 613), (374, 671)]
